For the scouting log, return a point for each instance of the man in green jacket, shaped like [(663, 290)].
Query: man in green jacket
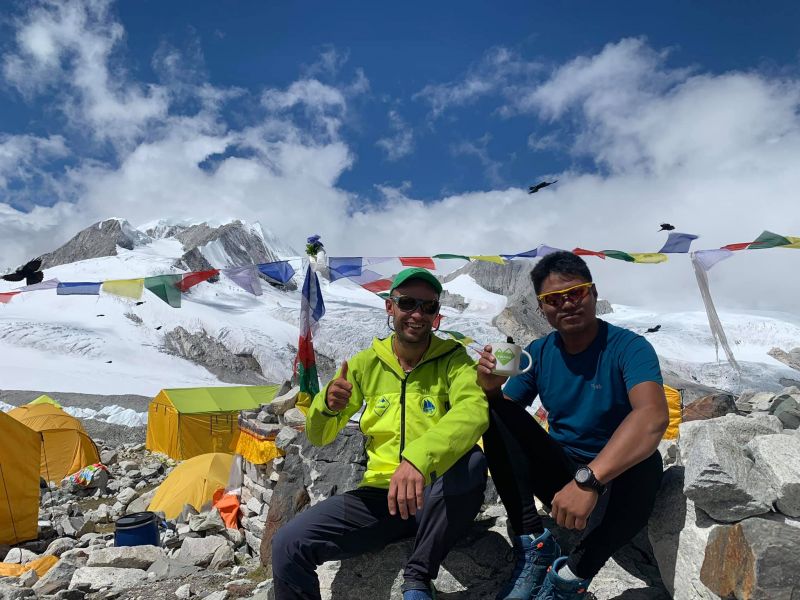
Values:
[(423, 413)]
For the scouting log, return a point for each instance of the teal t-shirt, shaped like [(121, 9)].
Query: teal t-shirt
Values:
[(586, 394)]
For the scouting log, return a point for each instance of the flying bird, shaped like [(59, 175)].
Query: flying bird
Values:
[(159, 327), (29, 272), (101, 315), (653, 329), (109, 361), (666, 227), (542, 184), (140, 303)]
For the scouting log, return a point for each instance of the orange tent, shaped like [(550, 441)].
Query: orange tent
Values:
[(20, 449), (66, 446)]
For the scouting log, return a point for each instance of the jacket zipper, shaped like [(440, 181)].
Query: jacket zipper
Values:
[(403, 417), (403, 404)]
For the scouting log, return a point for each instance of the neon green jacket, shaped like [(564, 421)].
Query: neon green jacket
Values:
[(430, 417)]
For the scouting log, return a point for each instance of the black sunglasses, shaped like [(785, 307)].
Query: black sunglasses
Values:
[(409, 304)]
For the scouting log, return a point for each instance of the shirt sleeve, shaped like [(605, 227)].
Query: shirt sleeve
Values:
[(523, 389), (639, 363)]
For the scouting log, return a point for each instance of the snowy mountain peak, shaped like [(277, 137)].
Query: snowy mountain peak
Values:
[(205, 245), (234, 243), (97, 240)]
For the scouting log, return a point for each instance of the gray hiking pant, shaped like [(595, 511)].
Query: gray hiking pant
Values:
[(356, 522)]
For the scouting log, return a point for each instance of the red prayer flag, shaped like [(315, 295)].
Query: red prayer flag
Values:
[(740, 246), (192, 279), (584, 252), (426, 262), (6, 297), (381, 285)]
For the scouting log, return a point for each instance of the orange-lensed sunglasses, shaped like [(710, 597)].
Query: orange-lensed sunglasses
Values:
[(573, 294)]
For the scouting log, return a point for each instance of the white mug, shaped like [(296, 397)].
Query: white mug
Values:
[(508, 359)]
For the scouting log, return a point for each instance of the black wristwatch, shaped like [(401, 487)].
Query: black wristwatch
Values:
[(585, 479)]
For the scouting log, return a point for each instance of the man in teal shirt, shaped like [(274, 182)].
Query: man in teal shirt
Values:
[(598, 469)]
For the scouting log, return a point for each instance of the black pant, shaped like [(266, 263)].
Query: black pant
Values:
[(359, 521), (526, 462)]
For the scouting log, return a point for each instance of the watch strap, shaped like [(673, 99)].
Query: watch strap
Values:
[(592, 483)]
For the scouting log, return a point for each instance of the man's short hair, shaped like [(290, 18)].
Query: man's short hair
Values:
[(561, 262)]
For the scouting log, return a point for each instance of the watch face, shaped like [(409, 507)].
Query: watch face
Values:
[(582, 475)]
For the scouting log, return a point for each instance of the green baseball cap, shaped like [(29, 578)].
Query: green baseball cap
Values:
[(416, 273)]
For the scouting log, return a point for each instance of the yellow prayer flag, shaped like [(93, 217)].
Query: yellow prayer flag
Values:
[(493, 259), (648, 257), (127, 288), (795, 242)]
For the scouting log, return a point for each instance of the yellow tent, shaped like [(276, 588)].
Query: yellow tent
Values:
[(40, 565), (194, 482), (186, 422), (20, 449), (675, 405), (45, 399), (66, 446)]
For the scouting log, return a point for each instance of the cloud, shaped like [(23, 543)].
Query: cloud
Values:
[(714, 154), (324, 105), (500, 71), (329, 63), (480, 150), (401, 143), (68, 49), (22, 156)]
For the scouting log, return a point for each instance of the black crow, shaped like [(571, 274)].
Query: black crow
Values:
[(159, 327), (101, 315), (29, 272), (666, 227), (542, 184), (109, 361), (653, 329), (140, 303)]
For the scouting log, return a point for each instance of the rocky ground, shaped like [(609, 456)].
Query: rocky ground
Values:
[(726, 524)]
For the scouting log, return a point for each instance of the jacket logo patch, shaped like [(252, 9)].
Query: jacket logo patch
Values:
[(381, 406), (428, 407)]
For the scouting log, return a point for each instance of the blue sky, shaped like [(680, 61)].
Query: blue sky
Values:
[(404, 47), (368, 121)]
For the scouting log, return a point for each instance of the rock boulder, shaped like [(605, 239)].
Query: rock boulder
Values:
[(753, 560), (719, 476)]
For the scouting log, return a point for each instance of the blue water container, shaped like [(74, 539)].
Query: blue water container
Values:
[(136, 529)]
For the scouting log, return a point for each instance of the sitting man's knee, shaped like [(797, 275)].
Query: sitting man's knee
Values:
[(477, 468), (286, 547), (467, 475)]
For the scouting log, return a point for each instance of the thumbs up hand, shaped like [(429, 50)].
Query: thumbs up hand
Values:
[(339, 391)]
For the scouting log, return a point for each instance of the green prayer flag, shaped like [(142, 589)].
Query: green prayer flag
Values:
[(619, 255), (446, 256), (166, 288), (767, 239)]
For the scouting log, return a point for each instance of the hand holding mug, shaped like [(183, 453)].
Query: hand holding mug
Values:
[(339, 391), (487, 379)]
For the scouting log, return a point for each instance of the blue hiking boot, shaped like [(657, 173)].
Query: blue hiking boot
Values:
[(558, 588), (533, 557)]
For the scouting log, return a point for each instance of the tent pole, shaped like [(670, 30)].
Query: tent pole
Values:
[(10, 512), (47, 471)]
